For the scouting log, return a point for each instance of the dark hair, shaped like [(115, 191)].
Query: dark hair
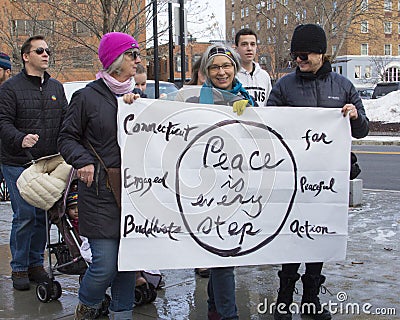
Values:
[(327, 57), (27, 46), (244, 32), (194, 79)]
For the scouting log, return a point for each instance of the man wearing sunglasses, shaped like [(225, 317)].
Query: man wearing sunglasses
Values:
[(32, 107), (313, 84)]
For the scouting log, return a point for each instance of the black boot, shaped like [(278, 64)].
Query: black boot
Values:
[(285, 295), (38, 274), (310, 304)]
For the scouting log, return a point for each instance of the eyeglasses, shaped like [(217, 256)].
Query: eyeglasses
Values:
[(40, 51), (225, 67), (303, 56), (133, 54)]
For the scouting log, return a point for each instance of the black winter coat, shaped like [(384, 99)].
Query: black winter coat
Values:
[(92, 116), (29, 106), (325, 89)]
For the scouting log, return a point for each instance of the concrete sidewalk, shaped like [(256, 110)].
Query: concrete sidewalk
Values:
[(369, 278)]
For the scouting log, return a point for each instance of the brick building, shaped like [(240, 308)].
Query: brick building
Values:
[(194, 51), (72, 29), (363, 36)]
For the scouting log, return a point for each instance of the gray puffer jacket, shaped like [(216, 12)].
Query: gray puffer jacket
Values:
[(325, 89)]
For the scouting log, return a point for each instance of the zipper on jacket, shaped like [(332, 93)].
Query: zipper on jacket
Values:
[(43, 112), (318, 93)]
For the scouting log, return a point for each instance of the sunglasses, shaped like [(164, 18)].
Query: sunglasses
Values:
[(134, 54), (303, 56), (40, 51)]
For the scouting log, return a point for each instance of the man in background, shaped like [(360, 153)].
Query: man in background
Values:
[(32, 107), (254, 79), (5, 67), (5, 73)]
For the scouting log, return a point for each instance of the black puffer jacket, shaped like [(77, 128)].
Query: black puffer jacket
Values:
[(92, 116), (29, 106), (324, 89)]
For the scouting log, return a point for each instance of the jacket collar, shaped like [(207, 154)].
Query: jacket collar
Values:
[(100, 86), (35, 79), (256, 66), (321, 73)]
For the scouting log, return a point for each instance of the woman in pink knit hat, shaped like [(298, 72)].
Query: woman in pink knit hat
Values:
[(88, 134)]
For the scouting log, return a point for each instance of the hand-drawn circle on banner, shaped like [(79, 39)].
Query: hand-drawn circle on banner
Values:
[(239, 249)]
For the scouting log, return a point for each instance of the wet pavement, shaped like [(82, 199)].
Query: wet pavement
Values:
[(364, 286)]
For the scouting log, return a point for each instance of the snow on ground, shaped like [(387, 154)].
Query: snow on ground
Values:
[(386, 108)]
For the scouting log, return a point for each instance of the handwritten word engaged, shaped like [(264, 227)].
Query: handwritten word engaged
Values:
[(215, 146), (170, 129), (142, 183), (318, 187)]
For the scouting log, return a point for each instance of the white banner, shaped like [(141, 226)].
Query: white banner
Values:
[(202, 186)]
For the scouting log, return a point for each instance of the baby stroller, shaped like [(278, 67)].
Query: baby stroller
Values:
[(66, 249), (70, 261)]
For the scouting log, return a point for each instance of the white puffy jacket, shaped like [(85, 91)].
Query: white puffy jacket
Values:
[(44, 182)]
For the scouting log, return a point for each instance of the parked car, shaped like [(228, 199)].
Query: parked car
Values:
[(365, 93), (383, 88), (165, 88), (71, 87)]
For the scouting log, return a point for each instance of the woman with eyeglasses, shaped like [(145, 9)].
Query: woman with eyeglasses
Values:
[(313, 84), (88, 139), (219, 65)]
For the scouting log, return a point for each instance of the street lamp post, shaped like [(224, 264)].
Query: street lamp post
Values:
[(170, 45), (155, 53), (182, 40)]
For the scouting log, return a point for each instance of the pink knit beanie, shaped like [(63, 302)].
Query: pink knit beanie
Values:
[(112, 45)]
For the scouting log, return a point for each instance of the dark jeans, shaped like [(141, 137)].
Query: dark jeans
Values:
[(221, 292), (102, 272), (28, 230)]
